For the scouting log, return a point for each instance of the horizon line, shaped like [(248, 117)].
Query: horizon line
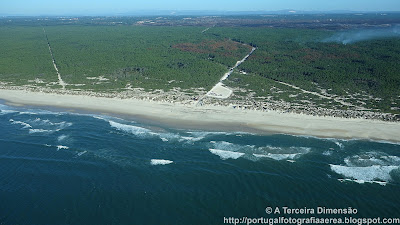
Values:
[(166, 12)]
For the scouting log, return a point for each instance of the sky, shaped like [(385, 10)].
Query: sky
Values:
[(65, 7)]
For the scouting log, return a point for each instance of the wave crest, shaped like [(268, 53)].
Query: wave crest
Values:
[(160, 162), (26, 125), (138, 131), (223, 154), (368, 167), (252, 152), (365, 174)]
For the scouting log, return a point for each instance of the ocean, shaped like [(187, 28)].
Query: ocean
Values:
[(84, 168)]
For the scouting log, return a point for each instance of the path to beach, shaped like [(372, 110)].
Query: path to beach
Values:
[(317, 94), (220, 90), (205, 29), (60, 80)]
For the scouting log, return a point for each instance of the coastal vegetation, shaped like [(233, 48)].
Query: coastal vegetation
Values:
[(364, 73), (295, 65)]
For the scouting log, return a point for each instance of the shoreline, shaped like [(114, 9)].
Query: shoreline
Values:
[(191, 116)]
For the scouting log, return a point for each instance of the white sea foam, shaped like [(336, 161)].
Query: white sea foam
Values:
[(391, 158), (256, 153), (138, 131), (327, 153), (41, 112), (103, 117), (388, 142), (7, 111), (99, 117), (62, 137), (372, 158), (190, 139), (341, 146), (205, 133), (198, 136), (46, 122), (147, 133), (32, 131), (144, 133), (223, 154), (346, 140), (160, 162), (277, 156), (167, 136), (365, 174), (383, 183), (368, 167), (27, 113), (41, 126), (26, 125), (81, 153), (59, 147), (106, 118), (224, 145)]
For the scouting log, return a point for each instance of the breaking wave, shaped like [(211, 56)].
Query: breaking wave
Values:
[(252, 152), (365, 174), (46, 122), (138, 131), (25, 125), (41, 112), (277, 156), (141, 132), (160, 162), (32, 131), (369, 167), (59, 147), (41, 126), (199, 135), (341, 146), (7, 111), (223, 154), (371, 159)]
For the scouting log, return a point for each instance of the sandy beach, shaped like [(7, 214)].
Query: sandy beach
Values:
[(191, 116)]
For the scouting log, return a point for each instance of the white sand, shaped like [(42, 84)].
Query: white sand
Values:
[(216, 116), (219, 91)]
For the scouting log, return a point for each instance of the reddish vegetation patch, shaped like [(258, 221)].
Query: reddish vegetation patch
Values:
[(226, 48)]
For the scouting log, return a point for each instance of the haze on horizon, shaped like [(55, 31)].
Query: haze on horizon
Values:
[(107, 7)]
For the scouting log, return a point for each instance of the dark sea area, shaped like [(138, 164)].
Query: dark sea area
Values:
[(81, 168)]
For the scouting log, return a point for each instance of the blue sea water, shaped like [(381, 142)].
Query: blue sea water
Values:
[(69, 168)]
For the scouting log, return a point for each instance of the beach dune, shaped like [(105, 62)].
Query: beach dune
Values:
[(215, 117)]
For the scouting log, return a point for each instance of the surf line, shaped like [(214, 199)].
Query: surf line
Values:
[(60, 80), (219, 90)]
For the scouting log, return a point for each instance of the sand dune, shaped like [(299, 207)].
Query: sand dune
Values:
[(216, 117)]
